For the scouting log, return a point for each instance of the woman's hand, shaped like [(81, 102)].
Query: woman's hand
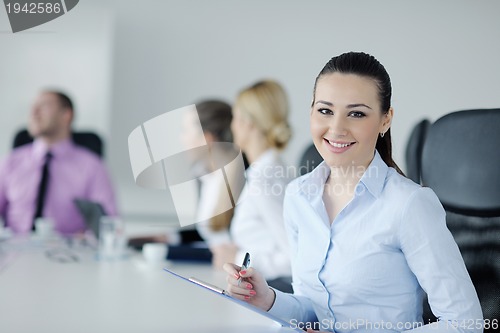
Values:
[(253, 287), (223, 253)]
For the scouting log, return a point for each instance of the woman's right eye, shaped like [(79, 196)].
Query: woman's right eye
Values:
[(325, 111)]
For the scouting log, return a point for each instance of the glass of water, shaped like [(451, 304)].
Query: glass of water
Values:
[(112, 240)]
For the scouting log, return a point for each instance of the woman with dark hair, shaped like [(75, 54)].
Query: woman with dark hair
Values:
[(365, 241), (215, 118)]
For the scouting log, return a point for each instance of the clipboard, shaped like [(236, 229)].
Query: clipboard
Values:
[(222, 293)]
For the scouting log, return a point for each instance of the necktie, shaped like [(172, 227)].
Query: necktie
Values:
[(42, 188)]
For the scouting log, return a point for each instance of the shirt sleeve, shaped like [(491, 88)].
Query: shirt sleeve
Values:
[(294, 307), (434, 258), (101, 189)]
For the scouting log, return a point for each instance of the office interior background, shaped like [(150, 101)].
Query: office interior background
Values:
[(125, 62)]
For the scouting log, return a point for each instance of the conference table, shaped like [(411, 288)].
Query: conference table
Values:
[(60, 285)]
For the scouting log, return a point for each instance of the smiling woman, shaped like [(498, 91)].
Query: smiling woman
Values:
[(365, 241), (344, 132), (361, 89)]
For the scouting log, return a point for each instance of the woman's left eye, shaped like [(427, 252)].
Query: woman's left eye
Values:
[(356, 114), (325, 111)]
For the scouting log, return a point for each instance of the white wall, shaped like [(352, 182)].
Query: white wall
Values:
[(442, 56), (73, 53)]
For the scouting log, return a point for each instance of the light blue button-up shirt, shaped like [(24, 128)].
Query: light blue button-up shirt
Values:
[(367, 271)]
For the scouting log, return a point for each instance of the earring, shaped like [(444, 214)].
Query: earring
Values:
[(382, 134)]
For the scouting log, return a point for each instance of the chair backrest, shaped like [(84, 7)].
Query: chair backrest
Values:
[(461, 161), (309, 160), (414, 150), (88, 140)]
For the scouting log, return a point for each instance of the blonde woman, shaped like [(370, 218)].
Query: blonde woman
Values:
[(260, 128)]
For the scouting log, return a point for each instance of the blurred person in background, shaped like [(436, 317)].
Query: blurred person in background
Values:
[(215, 118), (41, 179), (260, 128)]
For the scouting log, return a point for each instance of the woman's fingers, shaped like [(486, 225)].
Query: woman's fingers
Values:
[(238, 286), (249, 285), (235, 270), (239, 283), (247, 273)]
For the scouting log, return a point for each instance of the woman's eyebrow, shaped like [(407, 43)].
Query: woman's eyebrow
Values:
[(350, 106), (324, 102)]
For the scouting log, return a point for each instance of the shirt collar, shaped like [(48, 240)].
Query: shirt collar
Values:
[(40, 148), (373, 178)]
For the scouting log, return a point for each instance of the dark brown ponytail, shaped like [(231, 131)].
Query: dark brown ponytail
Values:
[(384, 148)]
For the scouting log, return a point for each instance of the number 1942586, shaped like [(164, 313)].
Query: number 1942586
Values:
[(33, 8)]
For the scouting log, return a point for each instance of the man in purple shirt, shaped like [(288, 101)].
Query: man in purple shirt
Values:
[(74, 172)]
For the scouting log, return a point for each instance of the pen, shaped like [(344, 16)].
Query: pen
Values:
[(244, 266)]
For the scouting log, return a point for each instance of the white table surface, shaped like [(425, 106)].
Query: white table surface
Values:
[(40, 294)]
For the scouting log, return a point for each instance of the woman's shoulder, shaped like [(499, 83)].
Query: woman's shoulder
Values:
[(402, 189), (399, 185), (404, 183)]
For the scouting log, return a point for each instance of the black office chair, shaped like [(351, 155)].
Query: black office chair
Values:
[(88, 140), (309, 160), (461, 163), (414, 147)]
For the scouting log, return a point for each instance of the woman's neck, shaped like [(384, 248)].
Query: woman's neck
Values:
[(345, 178), (255, 147), (341, 182)]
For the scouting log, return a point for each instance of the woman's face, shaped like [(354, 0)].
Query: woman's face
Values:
[(346, 119), (192, 135), (240, 128)]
